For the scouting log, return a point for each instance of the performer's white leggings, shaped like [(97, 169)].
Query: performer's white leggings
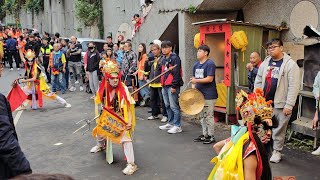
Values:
[(127, 147), (28, 91)]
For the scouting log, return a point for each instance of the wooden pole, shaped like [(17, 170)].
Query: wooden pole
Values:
[(157, 77)]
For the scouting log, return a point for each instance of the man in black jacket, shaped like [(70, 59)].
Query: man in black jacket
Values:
[(153, 68), (12, 160), (171, 83)]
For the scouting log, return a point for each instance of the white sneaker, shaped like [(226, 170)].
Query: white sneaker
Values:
[(153, 117), (67, 105), (11, 69), (18, 69), (316, 152), (77, 82), (175, 130), (96, 149), (81, 88), (165, 127), (276, 156), (164, 119), (130, 169), (72, 89), (92, 97)]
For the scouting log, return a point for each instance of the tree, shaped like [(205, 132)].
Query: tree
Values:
[(90, 15), (34, 6)]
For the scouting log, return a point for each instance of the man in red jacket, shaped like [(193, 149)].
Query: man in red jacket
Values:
[(171, 83)]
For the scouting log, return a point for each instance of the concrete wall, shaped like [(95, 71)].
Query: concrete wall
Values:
[(274, 12), (58, 16)]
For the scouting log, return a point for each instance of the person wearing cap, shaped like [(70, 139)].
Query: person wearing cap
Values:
[(33, 45), (116, 99), (91, 66), (171, 83), (152, 70), (36, 85)]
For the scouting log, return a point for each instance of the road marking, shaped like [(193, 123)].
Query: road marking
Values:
[(58, 144), (16, 119)]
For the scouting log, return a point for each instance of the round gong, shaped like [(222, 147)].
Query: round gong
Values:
[(191, 101)]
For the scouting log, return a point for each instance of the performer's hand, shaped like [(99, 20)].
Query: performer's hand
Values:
[(15, 82), (64, 70), (48, 69), (129, 126), (286, 111), (173, 90)]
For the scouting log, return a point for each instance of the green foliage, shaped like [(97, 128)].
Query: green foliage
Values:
[(88, 11), (11, 6), (34, 5), (192, 9)]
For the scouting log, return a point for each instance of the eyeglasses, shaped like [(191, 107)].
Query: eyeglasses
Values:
[(272, 47)]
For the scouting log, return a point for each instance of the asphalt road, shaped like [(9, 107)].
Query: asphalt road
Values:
[(47, 140)]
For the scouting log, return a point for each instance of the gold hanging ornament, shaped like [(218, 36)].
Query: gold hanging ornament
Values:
[(239, 40), (196, 40)]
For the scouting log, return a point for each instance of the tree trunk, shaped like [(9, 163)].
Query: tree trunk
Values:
[(94, 32), (32, 18)]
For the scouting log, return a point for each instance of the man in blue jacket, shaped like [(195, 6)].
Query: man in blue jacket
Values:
[(12, 160), (11, 45)]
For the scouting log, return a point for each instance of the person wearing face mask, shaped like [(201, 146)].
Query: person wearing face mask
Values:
[(91, 65), (118, 104), (36, 85)]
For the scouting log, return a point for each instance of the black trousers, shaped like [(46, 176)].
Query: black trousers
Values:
[(156, 102), (46, 65), (15, 55)]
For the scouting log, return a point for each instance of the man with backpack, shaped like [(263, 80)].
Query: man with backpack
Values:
[(58, 69)]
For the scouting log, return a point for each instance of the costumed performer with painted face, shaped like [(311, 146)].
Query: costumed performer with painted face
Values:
[(117, 120), (243, 156), (35, 79)]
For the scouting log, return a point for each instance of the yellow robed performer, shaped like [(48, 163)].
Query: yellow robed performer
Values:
[(117, 120)]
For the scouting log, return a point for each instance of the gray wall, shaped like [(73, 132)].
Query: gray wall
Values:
[(274, 12)]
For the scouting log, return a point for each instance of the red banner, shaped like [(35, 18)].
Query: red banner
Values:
[(16, 97), (220, 28)]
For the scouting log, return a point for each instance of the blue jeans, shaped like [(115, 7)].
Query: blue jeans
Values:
[(58, 82), (144, 92), (172, 105)]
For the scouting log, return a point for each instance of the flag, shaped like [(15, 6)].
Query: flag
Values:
[(16, 97)]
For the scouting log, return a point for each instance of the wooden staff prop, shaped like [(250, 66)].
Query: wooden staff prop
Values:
[(152, 80)]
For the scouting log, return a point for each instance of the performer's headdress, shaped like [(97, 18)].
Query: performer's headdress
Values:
[(256, 112), (29, 55), (111, 69), (254, 104)]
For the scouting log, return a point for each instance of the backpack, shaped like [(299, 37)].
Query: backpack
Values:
[(57, 61)]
